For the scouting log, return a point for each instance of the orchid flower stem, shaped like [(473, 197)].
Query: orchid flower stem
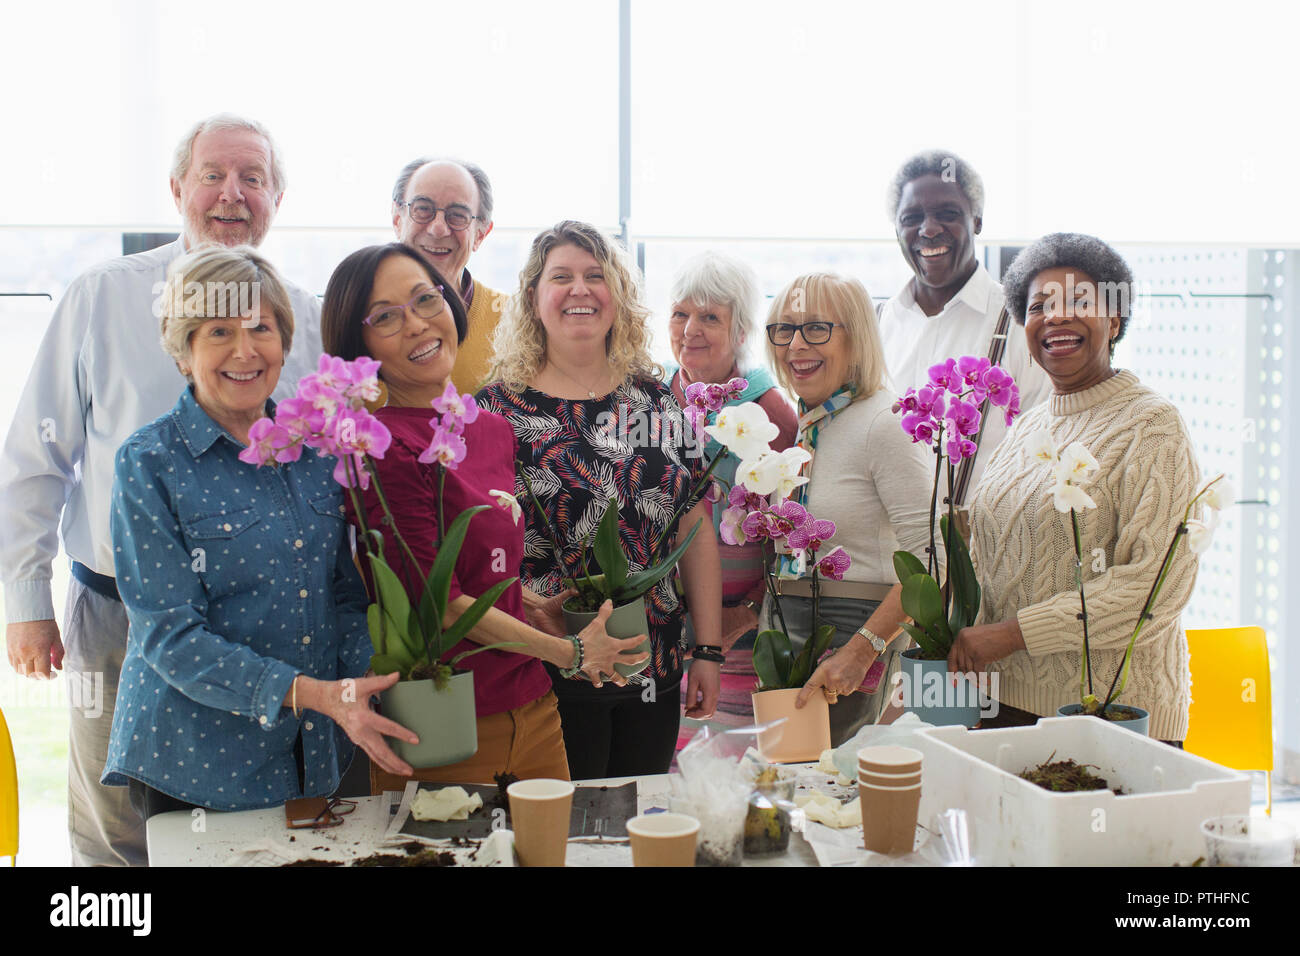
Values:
[(768, 559), (690, 500), (1085, 679), (952, 529), (932, 557), (408, 555), (442, 478), (360, 512)]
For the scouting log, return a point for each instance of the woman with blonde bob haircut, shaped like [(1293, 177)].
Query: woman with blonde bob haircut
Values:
[(865, 475), (594, 422)]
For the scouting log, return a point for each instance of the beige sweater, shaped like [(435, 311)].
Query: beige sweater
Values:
[(1024, 552)]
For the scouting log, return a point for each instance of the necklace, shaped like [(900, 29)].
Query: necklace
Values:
[(589, 389)]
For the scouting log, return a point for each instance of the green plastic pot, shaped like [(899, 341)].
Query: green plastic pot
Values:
[(626, 620), (444, 720)]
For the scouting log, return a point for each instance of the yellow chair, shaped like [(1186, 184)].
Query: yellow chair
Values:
[(1231, 717), (8, 795)]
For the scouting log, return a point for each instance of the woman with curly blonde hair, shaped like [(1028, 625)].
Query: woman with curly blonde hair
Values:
[(594, 421)]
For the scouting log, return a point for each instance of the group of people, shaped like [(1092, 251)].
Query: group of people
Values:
[(224, 605)]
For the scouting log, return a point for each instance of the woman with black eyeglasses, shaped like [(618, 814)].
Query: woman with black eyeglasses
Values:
[(865, 475)]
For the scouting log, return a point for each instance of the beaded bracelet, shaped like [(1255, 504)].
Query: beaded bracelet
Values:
[(708, 652), (580, 655)]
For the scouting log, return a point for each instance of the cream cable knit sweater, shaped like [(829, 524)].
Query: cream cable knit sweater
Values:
[(1024, 552)]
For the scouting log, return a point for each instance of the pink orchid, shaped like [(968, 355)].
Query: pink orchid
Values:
[(299, 417), (742, 497), (834, 564), (456, 410), (342, 476), (713, 494), (998, 386), (261, 442), (785, 517), (755, 526), (945, 375), (447, 449), (930, 400), (972, 368), (359, 432), (959, 448), (964, 416), (729, 528), (1013, 406), (920, 427), (811, 535), (736, 386)]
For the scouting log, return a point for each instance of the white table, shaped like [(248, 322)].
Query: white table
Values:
[(181, 838)]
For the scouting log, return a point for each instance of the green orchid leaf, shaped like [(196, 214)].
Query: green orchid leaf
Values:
[(642, 581), (906, 564), (396, 612), (961, 572), (473, 614), (929, 646), (812, 652), (383, 664), (773, 659), (923, 602), (609, 548), (439, 580)]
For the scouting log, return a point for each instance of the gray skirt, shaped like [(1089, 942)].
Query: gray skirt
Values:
[(852, 712)]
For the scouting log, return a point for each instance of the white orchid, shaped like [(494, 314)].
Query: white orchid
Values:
[(744, 429), (1076, 464), (760, 475), (789, 464), (1199, 536), (1067, 496), (1219, 494), (1042, 446), (507, 502)]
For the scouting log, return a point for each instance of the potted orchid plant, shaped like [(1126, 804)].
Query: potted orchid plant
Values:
[(328, 414), (1073, 467), (759, 511), (945, 415)]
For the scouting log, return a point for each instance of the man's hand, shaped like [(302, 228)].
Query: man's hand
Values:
[(35, 648)]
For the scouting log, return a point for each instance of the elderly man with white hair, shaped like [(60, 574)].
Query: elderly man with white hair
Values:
[(951, 306), (98, 376)]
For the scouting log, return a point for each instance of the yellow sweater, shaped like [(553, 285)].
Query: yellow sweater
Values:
[(475, 353)]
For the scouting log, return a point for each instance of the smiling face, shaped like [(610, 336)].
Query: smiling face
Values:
[(700, 337), (227, 195), (417, 361), (936, 231), (1068, 330), (572, 300), (815, 371), (447, 250), (236, 368)]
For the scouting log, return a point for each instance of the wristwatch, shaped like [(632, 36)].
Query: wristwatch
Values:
[(877, 642)]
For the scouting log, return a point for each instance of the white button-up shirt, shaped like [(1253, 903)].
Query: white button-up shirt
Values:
[(914, 341), (100, 374)]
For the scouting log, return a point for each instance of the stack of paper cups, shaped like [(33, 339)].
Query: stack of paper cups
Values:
[(889, 781)]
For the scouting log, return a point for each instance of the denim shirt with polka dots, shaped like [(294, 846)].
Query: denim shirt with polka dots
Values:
[(235, 579)]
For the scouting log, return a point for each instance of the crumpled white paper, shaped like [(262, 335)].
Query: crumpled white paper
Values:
[(823, 808), (449, 803)]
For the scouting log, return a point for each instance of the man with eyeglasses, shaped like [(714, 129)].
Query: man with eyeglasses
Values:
[(100, 375), (443, 208), (951, 306)]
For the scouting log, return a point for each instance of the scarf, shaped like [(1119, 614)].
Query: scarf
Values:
[(811, 422)]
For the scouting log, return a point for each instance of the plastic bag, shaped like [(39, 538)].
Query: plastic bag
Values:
[(901, 733)]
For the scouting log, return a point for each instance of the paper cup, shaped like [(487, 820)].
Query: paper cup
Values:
[(889, 818), (889, 759), (663, 839), (539, 813), (890, 779)]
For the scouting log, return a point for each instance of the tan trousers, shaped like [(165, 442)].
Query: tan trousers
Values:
[(526, 742)]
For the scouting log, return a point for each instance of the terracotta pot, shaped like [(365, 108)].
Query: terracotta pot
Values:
[(626, 620), (1139, 723), (444, 720), (804, 735)]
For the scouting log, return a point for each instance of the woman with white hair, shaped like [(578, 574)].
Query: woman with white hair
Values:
[(715, 303), (243, 684)]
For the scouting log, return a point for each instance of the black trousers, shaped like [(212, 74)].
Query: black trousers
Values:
[(623, 735)]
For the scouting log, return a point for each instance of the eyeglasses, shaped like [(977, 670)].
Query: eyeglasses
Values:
[(391, 319), (424, 211), (814, 333)]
